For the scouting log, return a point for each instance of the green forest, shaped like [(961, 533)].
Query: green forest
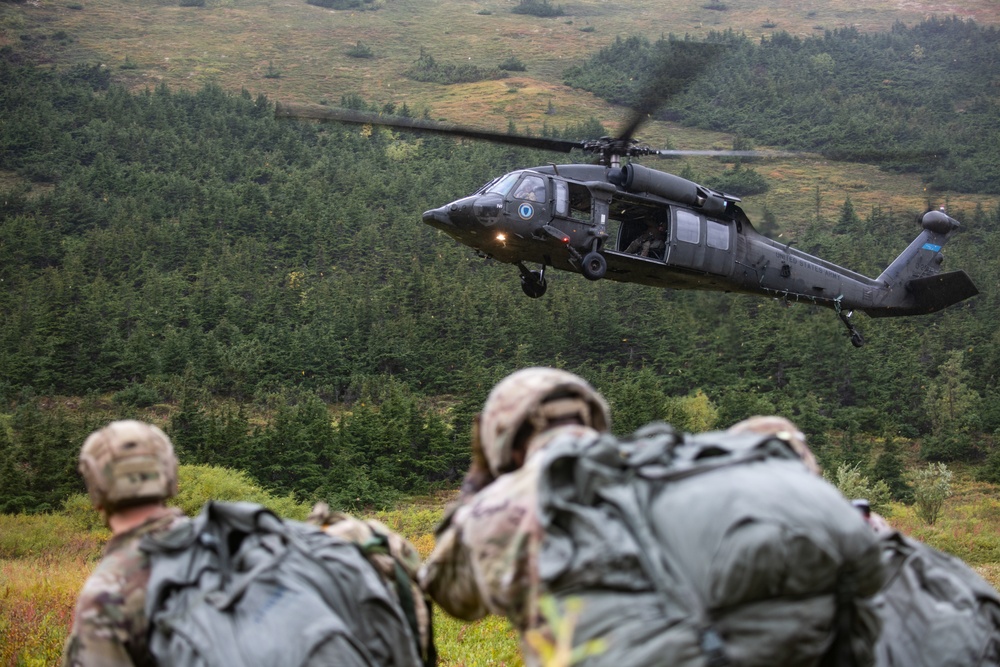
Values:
[(265, 289), (919, 98)]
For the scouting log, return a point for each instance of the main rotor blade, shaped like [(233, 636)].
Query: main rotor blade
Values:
[(677, 65), (725, 153), (332, 114)]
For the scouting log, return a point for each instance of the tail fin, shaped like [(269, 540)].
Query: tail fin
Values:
[(915, 276)]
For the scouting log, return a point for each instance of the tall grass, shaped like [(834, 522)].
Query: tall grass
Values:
[(969, 527), (44, 560)]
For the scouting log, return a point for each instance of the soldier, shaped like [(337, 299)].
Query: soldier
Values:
[(784, 429), (130, 470), (653, 239), (484, 561)]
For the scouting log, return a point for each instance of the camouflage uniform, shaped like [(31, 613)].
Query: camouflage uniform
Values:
[(110, 625), (485, 559)]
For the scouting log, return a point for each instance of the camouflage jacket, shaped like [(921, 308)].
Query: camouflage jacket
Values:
[(485, 559), (110, 624)]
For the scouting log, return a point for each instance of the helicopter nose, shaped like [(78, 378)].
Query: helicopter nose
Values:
[(438, 217)]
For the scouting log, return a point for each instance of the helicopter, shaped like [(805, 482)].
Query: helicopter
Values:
[(622, 221)]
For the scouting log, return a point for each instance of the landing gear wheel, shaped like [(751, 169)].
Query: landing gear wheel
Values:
[(594, 266), (535, 285), (857, 340)]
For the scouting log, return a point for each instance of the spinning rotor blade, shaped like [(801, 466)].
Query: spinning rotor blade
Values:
[(734, 153), (320, 113), (675, 69)]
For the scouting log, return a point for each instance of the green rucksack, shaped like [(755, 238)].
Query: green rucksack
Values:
[(937, 612), (239, 586), (704, 551)]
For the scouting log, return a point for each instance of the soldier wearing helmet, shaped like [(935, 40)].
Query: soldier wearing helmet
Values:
[(130, 471), (784, 429), (484, 560)]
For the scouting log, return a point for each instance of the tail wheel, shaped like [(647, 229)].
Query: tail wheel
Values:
[(594, 266)]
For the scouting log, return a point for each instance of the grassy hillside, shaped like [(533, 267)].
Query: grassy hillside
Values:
[(293, 51), (45, 559)]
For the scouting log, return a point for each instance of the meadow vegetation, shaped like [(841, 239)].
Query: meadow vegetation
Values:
[(44, 560)]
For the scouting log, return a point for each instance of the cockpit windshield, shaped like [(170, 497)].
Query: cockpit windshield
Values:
[(502, 185)]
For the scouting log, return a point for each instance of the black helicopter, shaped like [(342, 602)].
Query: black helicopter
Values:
[(626, 222)]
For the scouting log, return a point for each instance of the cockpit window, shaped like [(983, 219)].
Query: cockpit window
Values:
[(502, 185), (531, 188)]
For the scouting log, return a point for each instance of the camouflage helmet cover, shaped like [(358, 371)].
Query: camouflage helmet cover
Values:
[(128, 463), (783, 429), (534, 395)]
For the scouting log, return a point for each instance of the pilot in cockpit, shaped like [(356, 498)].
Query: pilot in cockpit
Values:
[(532, 188)]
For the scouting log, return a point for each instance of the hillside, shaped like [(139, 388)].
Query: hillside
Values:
[(168, 248), (296, 52)]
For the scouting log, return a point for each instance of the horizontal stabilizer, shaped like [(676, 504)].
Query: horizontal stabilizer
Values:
[(932, 293)]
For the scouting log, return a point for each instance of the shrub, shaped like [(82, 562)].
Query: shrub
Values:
[(739, 181), (429, 70), (31, 535), (513, 64), (272, 71), (694, 413), (199, 484), (948, 446), (931, 486), (540, 8), (136, 396), (360, 50), (344, 4), (854, 485)]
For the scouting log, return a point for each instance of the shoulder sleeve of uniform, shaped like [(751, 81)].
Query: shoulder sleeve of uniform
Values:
[(99, 632), (448, 577), (109, 624)]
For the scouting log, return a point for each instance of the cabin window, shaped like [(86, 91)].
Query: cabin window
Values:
[(717, 235), (562, 198), (688, 227), (531, 188)]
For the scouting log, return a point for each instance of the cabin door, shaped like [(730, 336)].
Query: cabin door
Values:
[(700, 243)]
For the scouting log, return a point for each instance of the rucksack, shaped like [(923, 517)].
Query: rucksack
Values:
[(398, 563), (237, 585), (937, 612), (704, 551)]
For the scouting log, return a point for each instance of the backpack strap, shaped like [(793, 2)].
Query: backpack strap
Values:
[(379, 544)]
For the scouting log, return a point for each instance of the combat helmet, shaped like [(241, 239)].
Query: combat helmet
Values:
[(128, 463), (783, 429), (527, 401)]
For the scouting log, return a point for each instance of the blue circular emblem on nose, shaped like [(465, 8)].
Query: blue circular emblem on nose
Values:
[(525, 211)]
